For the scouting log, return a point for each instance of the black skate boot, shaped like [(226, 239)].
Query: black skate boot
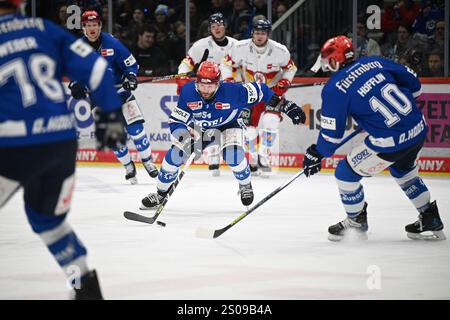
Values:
[(359, 224), (89, 288), (428, 227), (153, 200), (131, 173), (214, 168), (152, 170), (246, 192), (254, 171)]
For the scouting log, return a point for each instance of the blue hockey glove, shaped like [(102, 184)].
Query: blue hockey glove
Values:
[(290, 108), (187, 143), (130, 82), (312, 163)]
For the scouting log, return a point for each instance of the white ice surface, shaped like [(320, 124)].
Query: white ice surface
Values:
[(280, 251)]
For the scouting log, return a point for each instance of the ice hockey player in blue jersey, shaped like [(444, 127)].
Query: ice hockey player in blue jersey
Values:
[(380, 96), (37, 131), (212, 108), (125, 68)]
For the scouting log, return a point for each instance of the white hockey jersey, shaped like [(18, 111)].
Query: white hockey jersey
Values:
[(195, 53), (267, 65)]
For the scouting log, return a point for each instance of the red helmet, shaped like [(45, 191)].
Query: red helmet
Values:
[(208, 72), (13, 3), (89, 16), (340, 49)]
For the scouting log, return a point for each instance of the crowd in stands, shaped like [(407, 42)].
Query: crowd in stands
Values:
[(412, 31)]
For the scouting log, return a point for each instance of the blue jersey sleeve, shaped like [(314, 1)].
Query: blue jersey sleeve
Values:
[(125, 59), (333, 120), (81, 63), (405, 76), (181, 116), (252, 93)]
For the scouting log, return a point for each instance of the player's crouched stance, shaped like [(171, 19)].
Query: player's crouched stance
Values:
[(212, 108), (380, 95)]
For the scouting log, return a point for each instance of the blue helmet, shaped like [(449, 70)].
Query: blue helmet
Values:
[(262, 25), (216, 18)]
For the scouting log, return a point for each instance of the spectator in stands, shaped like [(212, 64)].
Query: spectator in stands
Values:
[(138, 21), (398, 13), (150, 58), (222, 6), (161, 23), (240, 14), (203, 30), (365, 45), (280, 10), (435, 65), (178, 45), (425, 22), (437, 41), (61, 18), (404, 42), (259, 7)]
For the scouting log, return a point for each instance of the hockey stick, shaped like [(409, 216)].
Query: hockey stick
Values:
[(304, 85), (141, 218), (174, 76), (204, 232)]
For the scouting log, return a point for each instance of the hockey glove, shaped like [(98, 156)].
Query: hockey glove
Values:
[(245, 117), (130, 82), (77, 90), (281, 87), (181, 81), (312, 163), (293, 111), (109, 129), (290, 108)]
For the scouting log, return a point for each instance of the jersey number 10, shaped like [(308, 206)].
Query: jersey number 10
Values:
[(42, 70), (396, 99)]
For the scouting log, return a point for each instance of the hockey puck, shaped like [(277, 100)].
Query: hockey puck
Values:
[(160, 223)]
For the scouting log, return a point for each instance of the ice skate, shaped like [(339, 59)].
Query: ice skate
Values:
[(214, 169), (358, 224), (246, 193), (89, 288), (153, 200), (152, 170), (254, 171), (429, 226), (264, 166), (131, 173)]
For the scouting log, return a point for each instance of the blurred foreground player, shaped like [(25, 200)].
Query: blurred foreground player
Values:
[(37, 131), (213, 109), (380, 95), (124, 67)]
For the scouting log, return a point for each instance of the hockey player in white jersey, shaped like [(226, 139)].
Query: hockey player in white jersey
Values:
[(266, 61), (218, 45)]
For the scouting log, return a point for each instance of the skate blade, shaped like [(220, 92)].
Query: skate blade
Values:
[(142, 207), (349, 236), (133, 180), (427, 236), (215, 173)]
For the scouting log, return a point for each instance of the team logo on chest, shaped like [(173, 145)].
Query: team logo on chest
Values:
[(107, 52), (196, 105), (222, 106), (259, 77)]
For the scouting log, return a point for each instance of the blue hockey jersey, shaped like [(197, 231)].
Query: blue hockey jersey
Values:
[(221, 111), (121, 61), (35, 54), (380, 96)]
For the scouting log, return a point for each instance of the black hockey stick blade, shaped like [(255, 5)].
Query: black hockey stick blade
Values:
[(203, 232), (139, 217)]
